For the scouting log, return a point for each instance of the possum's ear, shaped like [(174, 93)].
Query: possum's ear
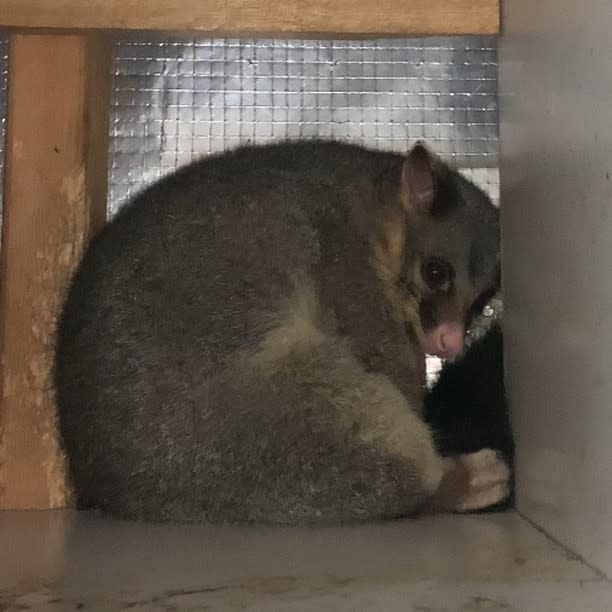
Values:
[(418, 178)]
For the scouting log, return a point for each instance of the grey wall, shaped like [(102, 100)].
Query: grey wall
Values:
[(556, 136)]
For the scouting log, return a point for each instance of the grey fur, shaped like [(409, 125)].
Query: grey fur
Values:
[(229, 352)]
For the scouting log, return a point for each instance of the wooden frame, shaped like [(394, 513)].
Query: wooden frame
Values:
[(252, 17), (55, 178), (55, 195)]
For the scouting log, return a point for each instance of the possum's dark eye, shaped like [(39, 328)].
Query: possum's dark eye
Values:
[(438, 274)]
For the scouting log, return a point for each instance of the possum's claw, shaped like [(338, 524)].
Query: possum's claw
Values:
[(473, 481), (488, 480)]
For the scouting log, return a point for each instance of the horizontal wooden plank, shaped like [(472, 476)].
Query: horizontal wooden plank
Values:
[(252, 17)]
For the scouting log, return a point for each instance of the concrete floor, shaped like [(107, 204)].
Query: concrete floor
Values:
[(56, 561)]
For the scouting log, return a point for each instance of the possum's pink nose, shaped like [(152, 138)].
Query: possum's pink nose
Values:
[(445, 340)]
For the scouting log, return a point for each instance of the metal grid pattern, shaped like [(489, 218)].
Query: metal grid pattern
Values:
[(175, 100)]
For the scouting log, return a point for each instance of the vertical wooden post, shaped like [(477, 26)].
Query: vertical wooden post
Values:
[(54, 197)]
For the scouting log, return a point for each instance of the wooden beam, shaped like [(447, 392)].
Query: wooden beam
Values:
[(55, 195), (252, 17)]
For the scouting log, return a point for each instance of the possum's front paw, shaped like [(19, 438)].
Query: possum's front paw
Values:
[(474, 481), (488, 480)]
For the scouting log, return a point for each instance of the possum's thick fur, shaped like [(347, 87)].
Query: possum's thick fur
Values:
[(244, 342)]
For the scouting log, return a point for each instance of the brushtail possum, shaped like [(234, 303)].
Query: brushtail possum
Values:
[(244, 342)]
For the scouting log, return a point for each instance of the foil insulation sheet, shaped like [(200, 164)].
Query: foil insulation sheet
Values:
[(175, 100)]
